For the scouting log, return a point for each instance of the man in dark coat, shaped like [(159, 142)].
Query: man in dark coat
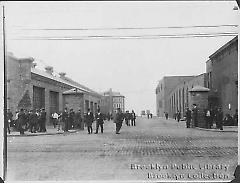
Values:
[(64, 117), (188, 117), (133, 118), (178, 116), (127, 119), (219, 119), (89, 121), (9, 119), (71, 119), (33, 121), (99, 119), (42, 120), (195, 115), (78, 120), (118, 120), (22, 120)]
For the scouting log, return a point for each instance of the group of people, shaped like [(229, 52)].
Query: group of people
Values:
[(130, 118), (32, 120), (35, 120), (211, 116), (216, 115)]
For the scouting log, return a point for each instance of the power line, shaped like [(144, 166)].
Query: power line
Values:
[(132, 28), (100, 37)]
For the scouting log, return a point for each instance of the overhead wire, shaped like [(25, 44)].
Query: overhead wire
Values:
[(133, 28)]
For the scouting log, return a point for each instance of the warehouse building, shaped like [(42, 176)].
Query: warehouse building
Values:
[(32, 88)]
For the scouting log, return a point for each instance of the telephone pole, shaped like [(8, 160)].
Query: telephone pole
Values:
[(5, 102)]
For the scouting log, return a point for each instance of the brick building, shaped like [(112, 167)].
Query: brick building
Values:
[(221, 77), (31, 88), (222, 71), (179, 98), (111, 101), (164, 87)]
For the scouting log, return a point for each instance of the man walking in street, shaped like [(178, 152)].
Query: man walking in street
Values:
[(89, 121), (99, 119), (133, 118), (118, 120)]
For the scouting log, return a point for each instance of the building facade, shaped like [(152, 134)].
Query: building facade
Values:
[(31, 88), (222, 71), (163, 89), (221, 78), (111, 101), (179, 98)]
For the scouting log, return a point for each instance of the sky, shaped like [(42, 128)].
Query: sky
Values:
[(132, 67)]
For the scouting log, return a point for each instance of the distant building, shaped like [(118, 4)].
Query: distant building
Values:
[(31, 88), (111, 101), (221, 77), (163, 89)]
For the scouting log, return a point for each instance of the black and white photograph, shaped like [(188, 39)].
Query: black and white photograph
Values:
[(123, 91)]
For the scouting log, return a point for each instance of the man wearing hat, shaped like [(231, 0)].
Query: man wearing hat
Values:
[(99, 118), (42, 120), (89, 121), (118, 120)]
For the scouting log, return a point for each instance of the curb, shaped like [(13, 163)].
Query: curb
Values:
[(41, 134), (216, 130)]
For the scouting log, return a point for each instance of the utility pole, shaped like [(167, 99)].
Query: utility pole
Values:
[(5, 102)]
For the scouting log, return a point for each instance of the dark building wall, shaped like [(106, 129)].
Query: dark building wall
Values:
[(74, 101), (225, 76), (49, 86), (19, 91)]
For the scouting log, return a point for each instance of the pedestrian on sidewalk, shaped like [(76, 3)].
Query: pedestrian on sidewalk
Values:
[(166, 115), (64, 117), (133, 118), (9, 119), (178, 116), (78, 120), (195, 115), (188, 117), (127, 119), (118, 120), (22, 120), (219, 118), (32, 121), (71, 119), (55, 119), (208, 118), (43, 120), (89, 121), (99, 121)]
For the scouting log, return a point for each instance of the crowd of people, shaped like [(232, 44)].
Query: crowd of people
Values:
[(32, 120), (35, 120), (211, 116)]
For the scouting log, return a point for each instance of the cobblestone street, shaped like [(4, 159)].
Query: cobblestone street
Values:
[(156, 149)]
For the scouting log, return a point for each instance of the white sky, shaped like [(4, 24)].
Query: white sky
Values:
[(132, 67)]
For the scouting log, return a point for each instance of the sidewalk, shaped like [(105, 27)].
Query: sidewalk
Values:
[(214, 129), (50, 131)]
